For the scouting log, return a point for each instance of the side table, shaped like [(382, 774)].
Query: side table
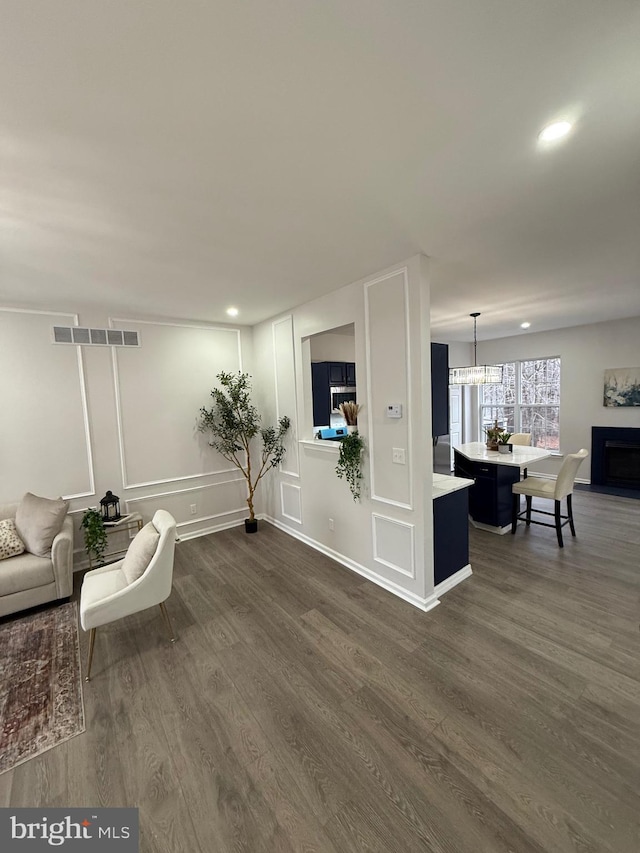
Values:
[(129, 523)]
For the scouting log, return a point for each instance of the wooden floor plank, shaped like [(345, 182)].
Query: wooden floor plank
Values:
[(305, 709)]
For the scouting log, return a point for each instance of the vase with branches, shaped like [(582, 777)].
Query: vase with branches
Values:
[(232, 423), (349, 411), (493, 434)]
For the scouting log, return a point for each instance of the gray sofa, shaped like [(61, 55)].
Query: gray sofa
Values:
[(27, 580)]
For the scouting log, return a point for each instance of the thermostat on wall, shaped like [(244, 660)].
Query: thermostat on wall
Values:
[(394, 410)]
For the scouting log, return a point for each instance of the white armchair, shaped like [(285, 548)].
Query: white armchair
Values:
[(141, 580)]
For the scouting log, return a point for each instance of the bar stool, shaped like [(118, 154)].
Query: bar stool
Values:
[(537, 487), (523, 439)]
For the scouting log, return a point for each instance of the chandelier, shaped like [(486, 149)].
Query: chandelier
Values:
[(477, 374)]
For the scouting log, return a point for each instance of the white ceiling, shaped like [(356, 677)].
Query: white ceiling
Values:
[(175, 158)]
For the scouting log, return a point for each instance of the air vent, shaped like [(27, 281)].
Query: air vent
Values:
[(94, 337)]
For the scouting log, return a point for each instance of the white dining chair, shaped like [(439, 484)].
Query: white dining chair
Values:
[(554, 490)]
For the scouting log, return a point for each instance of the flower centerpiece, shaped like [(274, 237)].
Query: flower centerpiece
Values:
[(493, 434)]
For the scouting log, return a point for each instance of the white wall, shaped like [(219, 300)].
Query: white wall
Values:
[(585, 352), (333, 347), (387, 537), (76, 421)]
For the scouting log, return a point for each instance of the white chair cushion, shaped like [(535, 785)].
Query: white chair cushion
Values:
[(536, 487), (100, 584), (10, 543), (38, 522), (140, 553)]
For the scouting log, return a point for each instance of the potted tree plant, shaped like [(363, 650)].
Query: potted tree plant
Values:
[(349, 464), (232, 423)]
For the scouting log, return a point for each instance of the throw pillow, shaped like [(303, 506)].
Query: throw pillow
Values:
[(38, 522), (10, 543), (140, 553)]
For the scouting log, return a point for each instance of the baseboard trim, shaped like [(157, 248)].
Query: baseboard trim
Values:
[(424, 604), (461, 575), (499, 531), (205, 531)]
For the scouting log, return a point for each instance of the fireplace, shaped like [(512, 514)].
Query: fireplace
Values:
[(615, 457)]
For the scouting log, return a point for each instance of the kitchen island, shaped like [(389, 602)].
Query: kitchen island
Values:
[(450, 531), (494, 473)]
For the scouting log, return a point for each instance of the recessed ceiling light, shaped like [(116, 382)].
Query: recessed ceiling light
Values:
[(524, 325), (232, 312), (554, 131)]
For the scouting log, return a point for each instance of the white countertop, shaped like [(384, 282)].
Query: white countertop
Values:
[(444, 484), (521, 457)]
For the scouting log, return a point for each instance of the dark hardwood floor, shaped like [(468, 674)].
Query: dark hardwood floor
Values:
[(305, 709)]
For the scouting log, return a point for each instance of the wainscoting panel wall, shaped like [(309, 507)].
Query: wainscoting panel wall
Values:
[(285, 376), (393, 544), (291, 501), (45, 444), (198, 509), (387, 353), (160, 388)]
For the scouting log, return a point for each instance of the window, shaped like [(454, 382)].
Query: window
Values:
[(528, 400)]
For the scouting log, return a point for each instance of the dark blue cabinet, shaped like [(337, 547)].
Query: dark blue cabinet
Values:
[(324, 376), (439, 389), (490, 498), (337, 373), (450, 534), (320, 389)]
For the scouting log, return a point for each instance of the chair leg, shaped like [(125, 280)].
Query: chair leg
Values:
[(167, 621), (515, 506), (92, 640), (528, 497), (559, 524), (570, 514)]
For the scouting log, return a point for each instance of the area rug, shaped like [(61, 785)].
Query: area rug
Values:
[(41, 701)]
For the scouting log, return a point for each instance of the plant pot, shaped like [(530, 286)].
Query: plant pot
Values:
[(504, 448), (251, 525), (492, 445)]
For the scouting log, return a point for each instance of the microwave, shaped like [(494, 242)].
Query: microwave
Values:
[(341, 394)]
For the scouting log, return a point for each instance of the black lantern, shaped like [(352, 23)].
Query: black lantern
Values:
[(110, 504)]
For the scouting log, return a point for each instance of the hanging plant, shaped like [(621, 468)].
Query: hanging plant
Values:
[(95, 536), (350, 462)]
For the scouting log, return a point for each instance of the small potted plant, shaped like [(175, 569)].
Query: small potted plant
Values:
[(349, 411), (503, 442), (95, 536), (493, 434), (349, 464)]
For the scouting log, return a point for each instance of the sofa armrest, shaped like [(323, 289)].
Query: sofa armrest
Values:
[(62, 559)]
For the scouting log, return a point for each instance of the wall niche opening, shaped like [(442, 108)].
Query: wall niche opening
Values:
[(333, 375)]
